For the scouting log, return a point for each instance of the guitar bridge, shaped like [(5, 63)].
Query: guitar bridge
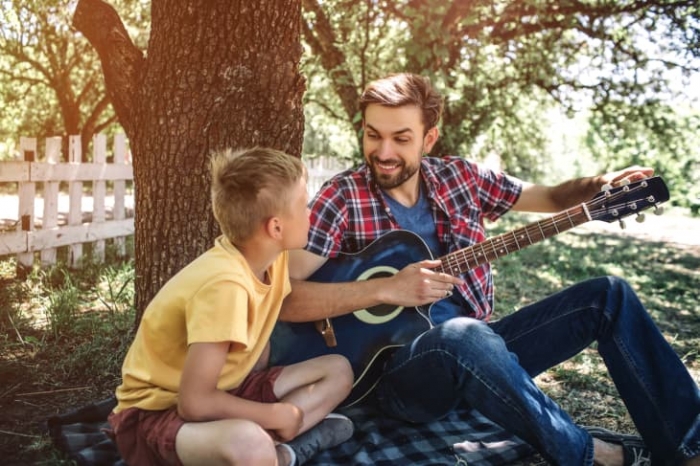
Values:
[(325, 327)]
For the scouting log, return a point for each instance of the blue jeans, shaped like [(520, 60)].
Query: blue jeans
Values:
[(490, 367)]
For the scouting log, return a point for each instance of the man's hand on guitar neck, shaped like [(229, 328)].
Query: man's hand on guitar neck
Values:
[(417, 284), (538, 198), (624, 176)]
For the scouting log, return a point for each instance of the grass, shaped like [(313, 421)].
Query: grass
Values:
[(63, 333), (666, 278)]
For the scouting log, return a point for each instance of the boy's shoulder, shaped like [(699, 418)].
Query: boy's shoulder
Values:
[(217, 261)]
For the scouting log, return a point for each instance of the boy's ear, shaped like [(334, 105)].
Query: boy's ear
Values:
[(273, 227)]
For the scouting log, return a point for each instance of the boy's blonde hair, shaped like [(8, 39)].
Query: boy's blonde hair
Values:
[(250, 186)]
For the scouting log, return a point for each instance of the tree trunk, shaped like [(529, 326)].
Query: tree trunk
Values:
[(219, 73)]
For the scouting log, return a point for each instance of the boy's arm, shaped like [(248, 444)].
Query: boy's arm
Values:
[(200, 400)]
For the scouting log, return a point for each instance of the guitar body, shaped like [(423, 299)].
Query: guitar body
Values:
[(365, 337)]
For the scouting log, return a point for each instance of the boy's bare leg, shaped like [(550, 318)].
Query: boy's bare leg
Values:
[(316, 386), (225, 442)]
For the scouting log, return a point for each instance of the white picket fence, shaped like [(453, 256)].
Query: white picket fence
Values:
[(321, 169), (39, 194), (43, 217)]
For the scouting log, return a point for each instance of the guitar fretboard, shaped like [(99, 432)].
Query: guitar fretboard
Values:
[(468, 258)]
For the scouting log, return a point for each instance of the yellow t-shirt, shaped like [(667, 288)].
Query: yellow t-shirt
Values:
[(213, 299)]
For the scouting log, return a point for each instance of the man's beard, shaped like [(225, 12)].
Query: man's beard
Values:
[(392, 181)]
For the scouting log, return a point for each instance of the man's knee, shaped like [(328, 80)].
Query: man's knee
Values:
[(464, 334), (608, 284)]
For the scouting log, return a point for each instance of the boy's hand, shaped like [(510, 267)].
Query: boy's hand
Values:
[(288, 421)]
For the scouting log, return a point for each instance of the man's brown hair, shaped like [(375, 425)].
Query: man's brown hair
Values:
[(402, 89)]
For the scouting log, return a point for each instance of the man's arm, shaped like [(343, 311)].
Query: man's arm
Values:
[(415, 285), (537, 198)]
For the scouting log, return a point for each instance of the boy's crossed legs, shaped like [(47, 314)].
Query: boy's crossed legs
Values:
[(310, 390), (314, 388)]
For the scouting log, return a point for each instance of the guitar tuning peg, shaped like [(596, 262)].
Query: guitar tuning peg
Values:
[(622, 223), (640, 217), (624, 182), (659, 210), (606, 188)]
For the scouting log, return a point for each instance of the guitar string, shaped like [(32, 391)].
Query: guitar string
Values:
[(597, 208)]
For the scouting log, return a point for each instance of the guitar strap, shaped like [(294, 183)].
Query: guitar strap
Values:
[(325, 328)]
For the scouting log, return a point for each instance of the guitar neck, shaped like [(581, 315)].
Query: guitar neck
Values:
[(460, 261)]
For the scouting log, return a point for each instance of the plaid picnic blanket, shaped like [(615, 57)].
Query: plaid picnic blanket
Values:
[(464, 437)]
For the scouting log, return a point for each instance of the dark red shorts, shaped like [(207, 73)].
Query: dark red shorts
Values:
[(148, 437)]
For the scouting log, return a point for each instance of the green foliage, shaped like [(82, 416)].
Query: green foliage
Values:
[(652, 134), (332, 114), (12, 319), (505, 66), (115, 289), (61, 307), (70, 327), (50, 77)]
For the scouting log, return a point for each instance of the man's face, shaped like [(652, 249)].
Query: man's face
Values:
[(393, 143)]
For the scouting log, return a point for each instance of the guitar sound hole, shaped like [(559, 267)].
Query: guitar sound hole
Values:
[(381, 310)]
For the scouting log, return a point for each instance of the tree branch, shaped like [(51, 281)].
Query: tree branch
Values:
[(122, 62), (90, 123), (322, 40), (100, 126)]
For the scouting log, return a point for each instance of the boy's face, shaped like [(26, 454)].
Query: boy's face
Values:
[(296, 219), (393, 142)]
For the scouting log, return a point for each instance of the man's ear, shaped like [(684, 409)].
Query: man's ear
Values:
[(430, 139)]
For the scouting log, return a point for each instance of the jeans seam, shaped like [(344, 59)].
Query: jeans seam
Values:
[(555, 319), (629, 361)]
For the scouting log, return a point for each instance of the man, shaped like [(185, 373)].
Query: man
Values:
[(464, 358)]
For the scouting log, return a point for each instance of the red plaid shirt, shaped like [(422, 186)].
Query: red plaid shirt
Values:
[(349, 212)]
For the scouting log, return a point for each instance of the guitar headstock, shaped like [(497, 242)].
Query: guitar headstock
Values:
[(617, 203)]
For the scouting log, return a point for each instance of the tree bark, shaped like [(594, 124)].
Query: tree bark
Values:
[(122, 62), (218, 73)]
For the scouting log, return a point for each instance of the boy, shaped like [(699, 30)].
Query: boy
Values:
[(196, 387)]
